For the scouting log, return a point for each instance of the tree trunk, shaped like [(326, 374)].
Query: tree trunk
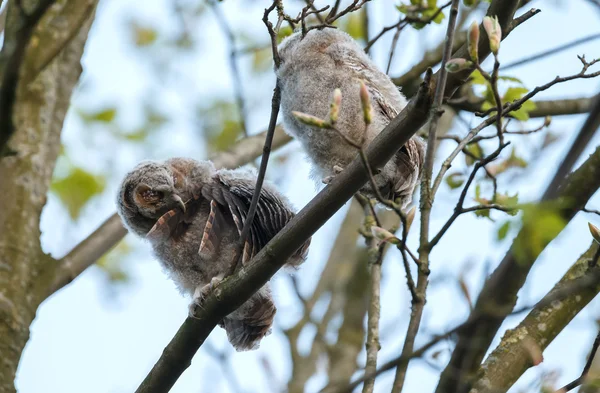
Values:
[(48, 74)]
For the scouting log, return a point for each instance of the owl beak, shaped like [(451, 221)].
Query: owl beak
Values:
[(179, 201)]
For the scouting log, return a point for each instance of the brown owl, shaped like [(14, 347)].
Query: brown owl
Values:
[(193, 215)]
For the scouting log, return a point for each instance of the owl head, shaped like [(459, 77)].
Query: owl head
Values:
[(147, 192)]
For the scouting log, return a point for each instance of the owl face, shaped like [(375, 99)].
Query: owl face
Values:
[(152, 189)]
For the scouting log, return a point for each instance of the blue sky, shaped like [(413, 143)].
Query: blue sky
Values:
[(97, 338)]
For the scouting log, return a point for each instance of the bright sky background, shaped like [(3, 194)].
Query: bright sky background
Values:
[(95, 337)]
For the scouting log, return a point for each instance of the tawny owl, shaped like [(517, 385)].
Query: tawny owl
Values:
[(193, 215), (312, 68)]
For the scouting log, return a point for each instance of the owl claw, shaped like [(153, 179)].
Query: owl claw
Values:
[(200, 295), (336, 171)]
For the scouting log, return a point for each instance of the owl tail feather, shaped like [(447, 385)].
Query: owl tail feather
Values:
[(246, 326)]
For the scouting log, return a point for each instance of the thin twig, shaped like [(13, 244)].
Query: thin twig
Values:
[(418, 302), (374, 312), (275, 103), (553, 51), (235, 72), (509, 107)]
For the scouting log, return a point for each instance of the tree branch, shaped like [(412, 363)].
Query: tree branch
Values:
[(11, 59), (511, 357), (582, 279), (543, 108), (426, 202), (500, 290)]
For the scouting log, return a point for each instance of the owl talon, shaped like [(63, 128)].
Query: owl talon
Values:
[(200, 295), (336, 171)]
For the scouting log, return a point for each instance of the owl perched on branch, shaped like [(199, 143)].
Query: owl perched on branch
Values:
[(193, 216), (312, 67)]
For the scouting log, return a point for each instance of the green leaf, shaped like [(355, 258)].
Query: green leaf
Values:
[(508, 201), (284, 32), (261, 60), (103, 116), (514, 161), (522, 113), (476, 150), (403, 8), (76, 189), (455, 180), (221, 124), (503, 230), (514, 93), (477, 78), (143, 36), (353, 25), (430, 12), (510, 79), (470, 3), (111, 263), (540, 225)]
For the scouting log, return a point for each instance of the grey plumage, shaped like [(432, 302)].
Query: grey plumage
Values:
[(193, 214), (312, 68)]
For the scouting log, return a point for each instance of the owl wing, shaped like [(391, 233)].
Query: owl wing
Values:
[(414, 149), (235, 196)]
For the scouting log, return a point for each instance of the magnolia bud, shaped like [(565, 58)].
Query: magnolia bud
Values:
[(310, 120), (474, 42), (334, 109), (384, 235), (494, 32), (547, 121), (455, 65), (366, 103), (594, 231), (410, 216)]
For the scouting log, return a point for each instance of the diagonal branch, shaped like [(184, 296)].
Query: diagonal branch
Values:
[(239, 287), (499, 293), (510, 359)]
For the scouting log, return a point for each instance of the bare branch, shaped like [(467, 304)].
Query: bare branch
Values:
[(577, 287), (11, 58), (86, 253), (275, 102), (235, 72), (426, 202), (550, 52), (582, 279), (500, 290), (543, 108)]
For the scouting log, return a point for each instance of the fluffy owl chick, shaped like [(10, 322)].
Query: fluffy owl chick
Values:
[(312, 68), (193, 215)]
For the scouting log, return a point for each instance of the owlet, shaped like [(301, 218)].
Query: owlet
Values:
[(193, 215), (312, 68)]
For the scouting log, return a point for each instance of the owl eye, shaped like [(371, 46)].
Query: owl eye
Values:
[(152, 195)]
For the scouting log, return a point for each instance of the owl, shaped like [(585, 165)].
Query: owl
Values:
[(312, 67), (193, 216)]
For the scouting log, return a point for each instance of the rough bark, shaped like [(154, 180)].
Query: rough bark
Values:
[(41, 104), (513, 356)]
